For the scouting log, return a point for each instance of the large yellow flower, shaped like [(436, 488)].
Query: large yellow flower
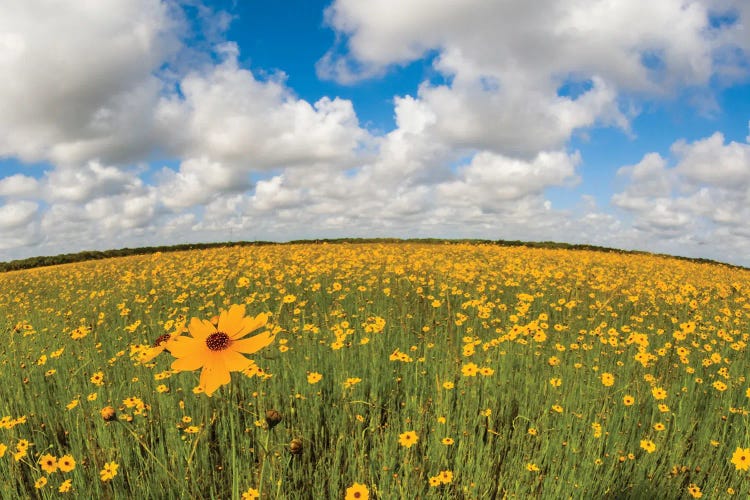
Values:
[(219, 348)]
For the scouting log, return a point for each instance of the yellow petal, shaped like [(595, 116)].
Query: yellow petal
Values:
[(151, 353), (188, 364), (201, 328), (234, 361), (182, 347), (230, 322), (254, 343), (213, 376), (251, 324)]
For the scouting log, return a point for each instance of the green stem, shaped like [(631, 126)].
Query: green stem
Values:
[(263, 464), (148, 450)]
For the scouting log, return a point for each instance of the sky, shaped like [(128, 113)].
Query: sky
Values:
[(621, 123)]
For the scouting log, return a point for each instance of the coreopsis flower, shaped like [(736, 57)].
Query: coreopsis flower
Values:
[(250, 494), (48, 463), (66, 463), (648, 445), (351, 381), (357, 491), (470, 370), (65, 486), (109, 471), (659, 393), (446, 476), (97, 379), (694, 490), (741, 458), (218, 349), (408, 439)]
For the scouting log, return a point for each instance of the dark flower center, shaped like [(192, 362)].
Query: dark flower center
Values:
[(218, 341), (161, 339)]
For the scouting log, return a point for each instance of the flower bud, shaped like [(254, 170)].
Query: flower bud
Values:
[(273, 417), (295, 447)]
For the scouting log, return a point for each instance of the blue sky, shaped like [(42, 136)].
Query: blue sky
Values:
[(147, 122)]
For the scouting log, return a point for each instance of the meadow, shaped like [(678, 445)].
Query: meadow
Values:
[(398, 370)]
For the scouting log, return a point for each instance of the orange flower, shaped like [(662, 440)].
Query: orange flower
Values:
[(218, 349)]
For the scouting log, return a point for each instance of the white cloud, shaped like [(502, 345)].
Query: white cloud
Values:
[(508, 66), (199, 181), (637, 44), (79, 78), (710, 161), (491, 181), (510, 120), (17, 214), (18, 186), (86, 182), (110, 221), (227, 115), (18, 225), (704, 198)]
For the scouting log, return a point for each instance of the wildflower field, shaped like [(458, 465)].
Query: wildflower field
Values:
[(402, 370)]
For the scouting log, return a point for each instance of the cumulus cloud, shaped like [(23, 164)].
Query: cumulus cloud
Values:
[(18, 186), (711, 161), (85, 75), (18, 226), (227, 124), (491, 181), (228, 115), (18, 214), (672, 44), (700, 197), (509, 120), (521, 78), (86, 182), (198, 181)]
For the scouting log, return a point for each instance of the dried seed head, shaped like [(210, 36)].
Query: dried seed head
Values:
[(295, 447), (273, 417)]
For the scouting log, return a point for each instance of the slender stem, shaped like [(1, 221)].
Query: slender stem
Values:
[(278, 484), (148, 450), (263, 464)]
